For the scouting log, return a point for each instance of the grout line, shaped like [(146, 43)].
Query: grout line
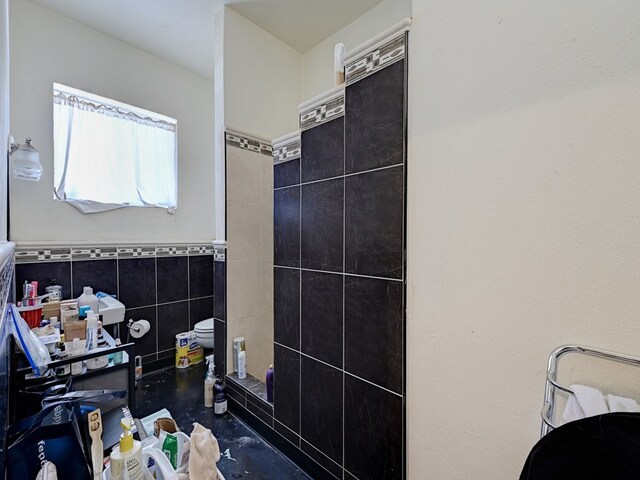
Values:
[(340, 369), (341, 273), (300, 306), (341, 176), (321, 452), (344, 264)]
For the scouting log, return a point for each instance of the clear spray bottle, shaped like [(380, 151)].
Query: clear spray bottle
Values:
[(209, 383)]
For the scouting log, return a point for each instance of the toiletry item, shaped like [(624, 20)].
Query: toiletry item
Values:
[(118, 357), (138, 367), (77, 348), (82, 311), (63, 370), (269, 382), (54, 291), (95, 432), (238, 346), (88, 298), (92, 342), (242, 365), (209, 383), (126, 458), (220, 396), (169, 446)]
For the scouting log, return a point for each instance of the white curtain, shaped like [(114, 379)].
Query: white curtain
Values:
[(107, 156), (4, 113)]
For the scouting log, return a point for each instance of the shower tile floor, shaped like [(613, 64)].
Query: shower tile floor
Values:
[(245, 455)]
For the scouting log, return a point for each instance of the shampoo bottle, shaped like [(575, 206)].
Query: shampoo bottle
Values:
[(126, 457), (209, 383)]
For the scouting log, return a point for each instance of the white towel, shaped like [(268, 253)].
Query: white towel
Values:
[(622, 404), (585, 402)]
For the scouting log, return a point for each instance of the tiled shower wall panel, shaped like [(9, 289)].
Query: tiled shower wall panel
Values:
[(170, 286), (339, 273)]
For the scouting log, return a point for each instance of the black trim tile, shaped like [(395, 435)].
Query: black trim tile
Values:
[(372, 431), (286, 387), (322, 225), (286, 311), (147, 344), (173, 278), (321, 407), (323, 151), (286, 227), (374, 120), (286, 433), (219, 289), (173, 318), (374, 330), (200, 276), (330, 466), (101, 275), (374, 214), (322, 310), (200, 309), (286, 174), (220, 342), (44, 273), (137, 282), (259, 412)]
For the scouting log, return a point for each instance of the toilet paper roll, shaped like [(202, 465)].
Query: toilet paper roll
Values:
[(139, 328)]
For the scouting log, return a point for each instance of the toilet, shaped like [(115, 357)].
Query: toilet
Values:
[(204, 332)]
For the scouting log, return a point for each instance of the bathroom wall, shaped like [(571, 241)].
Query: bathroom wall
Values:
[(4, 111), (47, 47), (339, 278), (317, 64), (249, 256), (171, 286), (261, 79), (523, 217)]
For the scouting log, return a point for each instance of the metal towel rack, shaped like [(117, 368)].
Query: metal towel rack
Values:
[(552, 383)]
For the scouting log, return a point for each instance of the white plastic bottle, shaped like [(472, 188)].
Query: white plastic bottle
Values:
[(88, 298), (209, 383), (242, 364), (126, 457)]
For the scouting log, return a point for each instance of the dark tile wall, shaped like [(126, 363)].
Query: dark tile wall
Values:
[(219, 310), (170, 286), (339, 289)]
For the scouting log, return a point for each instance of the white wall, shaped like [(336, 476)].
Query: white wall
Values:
[(524, 216), (261, 79), (4, 111), (317, 64), (47, 47)]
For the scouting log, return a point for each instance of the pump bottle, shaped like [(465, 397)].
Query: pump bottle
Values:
[(126, 457), (209, 383)]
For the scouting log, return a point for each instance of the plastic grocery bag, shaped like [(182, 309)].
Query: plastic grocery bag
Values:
[(29, 343)]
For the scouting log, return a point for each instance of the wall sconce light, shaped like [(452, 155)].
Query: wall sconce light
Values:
[(25, 160)]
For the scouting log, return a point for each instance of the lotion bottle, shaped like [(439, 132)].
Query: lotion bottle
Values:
[(126, 457), (242, 364), (209, 383)]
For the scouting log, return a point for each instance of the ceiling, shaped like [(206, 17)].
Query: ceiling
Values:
[(181, 31)]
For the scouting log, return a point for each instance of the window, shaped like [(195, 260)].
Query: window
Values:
[(109, 155)]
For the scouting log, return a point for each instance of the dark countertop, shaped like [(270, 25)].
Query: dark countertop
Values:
[(244, 453)]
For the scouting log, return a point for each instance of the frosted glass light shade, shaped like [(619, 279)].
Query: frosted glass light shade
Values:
[(26, 162)]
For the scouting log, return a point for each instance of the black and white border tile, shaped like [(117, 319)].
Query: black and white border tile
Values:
[(322, 108), (245, 141), (57, 254), (286, 148), (381, 51)]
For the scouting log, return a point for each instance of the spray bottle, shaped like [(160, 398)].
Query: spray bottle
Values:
[(220, 397), (209, 382)]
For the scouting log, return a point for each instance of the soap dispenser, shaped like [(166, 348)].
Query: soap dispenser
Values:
[(126, 457)]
